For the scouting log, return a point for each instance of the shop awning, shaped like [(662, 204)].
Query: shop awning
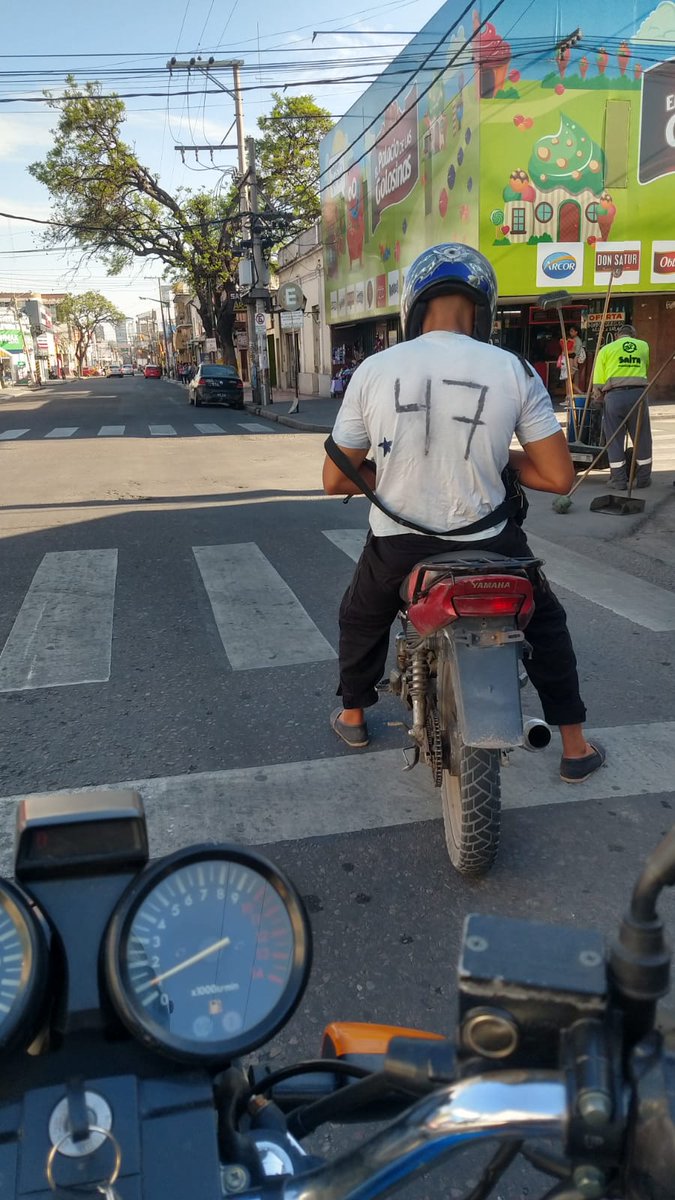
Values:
[(4, 353)]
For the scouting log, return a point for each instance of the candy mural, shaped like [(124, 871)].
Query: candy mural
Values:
[(511, 142)]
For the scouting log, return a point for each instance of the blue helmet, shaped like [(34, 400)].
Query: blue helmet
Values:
[(442, 270)]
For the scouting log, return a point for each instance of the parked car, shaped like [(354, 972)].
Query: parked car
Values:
[(152, 371), (115, 371), (127, 369), (214, 384)]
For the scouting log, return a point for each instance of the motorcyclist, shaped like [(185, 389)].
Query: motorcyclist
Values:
[(437, 413)]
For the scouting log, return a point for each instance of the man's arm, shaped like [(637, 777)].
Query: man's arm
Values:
[(337, 484), (545, 465)]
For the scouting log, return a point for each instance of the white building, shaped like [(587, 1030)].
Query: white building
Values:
[(303, 350)]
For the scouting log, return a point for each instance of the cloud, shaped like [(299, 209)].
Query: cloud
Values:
[(20, 137), (659, 26)]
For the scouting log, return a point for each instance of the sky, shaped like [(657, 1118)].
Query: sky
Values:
[(128, 36)]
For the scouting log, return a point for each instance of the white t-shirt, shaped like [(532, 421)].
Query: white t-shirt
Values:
[(438, 414)]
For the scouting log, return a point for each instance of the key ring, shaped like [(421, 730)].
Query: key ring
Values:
[(117, 1164)]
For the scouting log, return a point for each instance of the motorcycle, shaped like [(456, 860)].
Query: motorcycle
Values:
[(459, 670), (130, 990)]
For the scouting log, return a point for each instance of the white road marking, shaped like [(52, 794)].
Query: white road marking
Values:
[(347, 794), (209, 428), (260, 620), (63, 633), (253, 427), (162, 430), (10, 435), (64, 431), (111, 431), (350, 541), (625, 595)]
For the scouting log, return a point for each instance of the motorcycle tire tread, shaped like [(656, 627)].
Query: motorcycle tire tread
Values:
[(478, 781)]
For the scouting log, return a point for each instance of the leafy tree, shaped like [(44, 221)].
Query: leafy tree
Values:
[(83, 314), (288, 155), (112, 207)]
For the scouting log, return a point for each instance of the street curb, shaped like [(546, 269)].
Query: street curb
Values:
[(292, 422)]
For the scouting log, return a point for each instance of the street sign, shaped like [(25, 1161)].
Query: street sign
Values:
[(291, 320), (260, 320), (210, 346), (290, 297)]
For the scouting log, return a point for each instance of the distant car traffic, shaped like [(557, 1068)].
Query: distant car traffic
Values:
[(152, 371), (127, 369), (115, 370), (214, 384)]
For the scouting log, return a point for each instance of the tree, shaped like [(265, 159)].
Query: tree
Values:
[(288, 155), (112, 207), (84, 314)]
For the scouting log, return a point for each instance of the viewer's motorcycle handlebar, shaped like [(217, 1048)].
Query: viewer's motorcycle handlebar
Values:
[(130, 992)]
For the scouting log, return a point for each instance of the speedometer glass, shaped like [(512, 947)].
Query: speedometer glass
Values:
[(209, 953), (23, 966)]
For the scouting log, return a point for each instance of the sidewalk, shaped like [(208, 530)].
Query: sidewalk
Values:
[(316, 413)]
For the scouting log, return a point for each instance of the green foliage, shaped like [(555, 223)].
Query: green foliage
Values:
[(288, 155), (509, 93), (83, 314), (534, 240), (502, 241), (597, 83)]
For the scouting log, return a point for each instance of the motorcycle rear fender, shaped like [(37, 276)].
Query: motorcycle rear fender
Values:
[(487, 691)]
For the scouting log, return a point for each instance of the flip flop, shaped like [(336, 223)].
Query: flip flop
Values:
[(578, 770), (354, 736)]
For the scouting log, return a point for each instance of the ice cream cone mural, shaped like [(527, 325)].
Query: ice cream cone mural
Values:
[(563, 59), (637, 71), (494, 56), (606, 215), (602, 60), (583, 66), (623, 57)]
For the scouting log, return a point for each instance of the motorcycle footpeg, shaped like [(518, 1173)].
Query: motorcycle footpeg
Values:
[(415, 751)]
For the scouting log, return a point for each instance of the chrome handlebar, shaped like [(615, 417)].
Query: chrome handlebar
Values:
[(514, 1105)]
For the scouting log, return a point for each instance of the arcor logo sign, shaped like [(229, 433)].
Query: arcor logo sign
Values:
[(559, 266), (657, 123)]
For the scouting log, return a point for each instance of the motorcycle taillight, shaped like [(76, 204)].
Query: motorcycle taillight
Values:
[(486, 596)]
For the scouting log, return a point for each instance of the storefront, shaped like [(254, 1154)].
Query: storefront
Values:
[(557, 162)]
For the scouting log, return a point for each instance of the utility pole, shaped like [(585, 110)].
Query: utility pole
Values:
[(259, 292)]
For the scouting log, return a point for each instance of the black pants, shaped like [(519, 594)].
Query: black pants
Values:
[(372, 600)]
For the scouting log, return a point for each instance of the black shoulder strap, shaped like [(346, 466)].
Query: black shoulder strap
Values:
[(500, 513), (521, 359)]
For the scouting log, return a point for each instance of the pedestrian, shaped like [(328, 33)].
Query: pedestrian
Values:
[(439, 447), (619, 375), (336, 385), (577, 356)]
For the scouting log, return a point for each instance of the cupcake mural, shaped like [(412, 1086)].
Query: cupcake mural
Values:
[(561, 196)]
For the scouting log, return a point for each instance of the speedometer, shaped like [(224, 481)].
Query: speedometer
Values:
[(23, 967), (208, 953)]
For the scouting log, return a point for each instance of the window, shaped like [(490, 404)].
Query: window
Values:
[(592, 211), (518, 220), (215, 371), (544, 212)]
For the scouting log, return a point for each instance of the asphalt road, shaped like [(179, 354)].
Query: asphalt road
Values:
[(168, 611)]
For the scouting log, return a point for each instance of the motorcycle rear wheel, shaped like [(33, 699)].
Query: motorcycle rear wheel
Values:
[(470, 792)]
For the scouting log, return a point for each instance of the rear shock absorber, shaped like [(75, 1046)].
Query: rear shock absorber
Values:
[(419, 685)]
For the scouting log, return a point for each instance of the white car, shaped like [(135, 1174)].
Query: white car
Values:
[(127, 369), (115, 371)]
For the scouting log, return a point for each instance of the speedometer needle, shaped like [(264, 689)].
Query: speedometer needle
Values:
[(189, 962)]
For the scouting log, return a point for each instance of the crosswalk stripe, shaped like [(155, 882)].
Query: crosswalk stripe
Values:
[(253, 427), (111, 431), (347, 794), (11, 435), (625, 595), (63, 632), (350, 541), (206, 428), (260, 620), (64, 431), (162, 430)]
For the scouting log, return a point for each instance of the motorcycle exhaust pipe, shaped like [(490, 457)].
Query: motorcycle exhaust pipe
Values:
[(536, 734)]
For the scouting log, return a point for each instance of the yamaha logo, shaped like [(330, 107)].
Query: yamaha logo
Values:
[(490, 585)]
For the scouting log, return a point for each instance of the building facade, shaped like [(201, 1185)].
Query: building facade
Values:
[(553, 155), (302, 340)]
